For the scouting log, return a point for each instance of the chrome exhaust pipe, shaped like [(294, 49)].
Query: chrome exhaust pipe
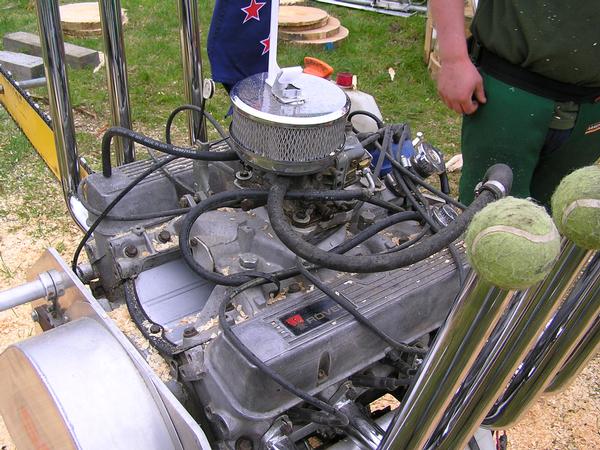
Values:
[(53, 53), (558, 342), (471, 320), (510, 342), (193, 82), (116, 76), (577, 361), (474, 315)]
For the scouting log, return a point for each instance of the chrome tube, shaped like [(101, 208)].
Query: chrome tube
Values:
[(577, 361), (189, 34), (116, 76), (558, 341), (476, 311), (513, 338), (53, 53)]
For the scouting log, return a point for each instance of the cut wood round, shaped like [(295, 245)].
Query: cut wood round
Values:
[(340, 36), (331, 28), (83, 19), (298, 17)]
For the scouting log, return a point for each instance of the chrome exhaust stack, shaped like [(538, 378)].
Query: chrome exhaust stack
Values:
[(472, 319), (534, 313), (512, 339), (53, 53), (576, 209), (583, 353), (556, 347), (116, 75)]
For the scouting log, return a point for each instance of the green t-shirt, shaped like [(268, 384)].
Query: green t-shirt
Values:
[(559, 39)]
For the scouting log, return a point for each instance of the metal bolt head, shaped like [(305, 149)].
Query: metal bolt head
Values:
[(35, 316), (190, 332), (155, 329), (130, 251), (294, 287), (248, 261), (243, 443), (164, 236)]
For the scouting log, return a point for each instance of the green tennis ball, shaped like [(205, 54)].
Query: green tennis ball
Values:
[(512, 243), (576, 207)]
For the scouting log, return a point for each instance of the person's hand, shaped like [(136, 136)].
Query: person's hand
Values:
[(460, 86)]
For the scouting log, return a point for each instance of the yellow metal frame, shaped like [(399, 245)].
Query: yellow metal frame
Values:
[(31, 124)]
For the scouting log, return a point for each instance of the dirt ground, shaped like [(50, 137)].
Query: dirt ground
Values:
[(570, 420)]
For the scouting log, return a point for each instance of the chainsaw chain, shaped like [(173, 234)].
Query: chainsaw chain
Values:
[(25, 94)]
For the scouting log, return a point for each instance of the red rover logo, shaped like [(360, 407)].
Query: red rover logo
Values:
[(295, 320)]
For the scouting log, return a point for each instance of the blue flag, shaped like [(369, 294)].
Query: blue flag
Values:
[(238, 39)]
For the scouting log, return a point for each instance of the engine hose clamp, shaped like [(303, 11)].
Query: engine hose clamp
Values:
[(495, 187)]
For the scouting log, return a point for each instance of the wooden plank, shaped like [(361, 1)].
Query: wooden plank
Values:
[(302, 16), (75, 55), (330, 29), (340, 36), (22, 66)]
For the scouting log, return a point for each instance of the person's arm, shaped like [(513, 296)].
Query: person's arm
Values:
[(459, 83)]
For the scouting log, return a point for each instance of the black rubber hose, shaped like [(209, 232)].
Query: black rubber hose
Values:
[(198, 109), (184, 152), (260, 196), (423, 183), (444, 183), (351, 308), (254, 360), (367, 263), (377, 120)]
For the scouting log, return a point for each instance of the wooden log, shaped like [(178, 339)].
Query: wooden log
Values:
[(331, 28), (300, 17), (340, 36)]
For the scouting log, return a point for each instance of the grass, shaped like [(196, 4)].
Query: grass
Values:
[(376, 43)]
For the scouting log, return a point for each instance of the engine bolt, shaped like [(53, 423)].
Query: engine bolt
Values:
[(164, 236), (190, 332), (35, 316), (248, 261), (321, 374), (294, 287), (131, 251), (243, 444), (154, 328)]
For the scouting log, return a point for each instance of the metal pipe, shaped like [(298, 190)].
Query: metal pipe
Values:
[(558, 341), (33, 83), (19, 295), (49, 285), (577, 361), (53, 53), (116, 76), (510, 342), (189, 34), (191, 43), (476, 311)]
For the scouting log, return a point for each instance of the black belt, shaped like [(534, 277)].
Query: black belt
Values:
[(534, 83)]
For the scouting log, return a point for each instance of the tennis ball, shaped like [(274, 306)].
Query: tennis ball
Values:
[(576, 207), (512, 243)]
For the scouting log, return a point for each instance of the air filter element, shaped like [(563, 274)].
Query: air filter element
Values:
[(296, 134)]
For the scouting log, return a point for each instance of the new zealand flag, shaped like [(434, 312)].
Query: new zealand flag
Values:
[(238, 40)]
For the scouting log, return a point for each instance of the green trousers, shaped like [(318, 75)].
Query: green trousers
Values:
[(511, 128)]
